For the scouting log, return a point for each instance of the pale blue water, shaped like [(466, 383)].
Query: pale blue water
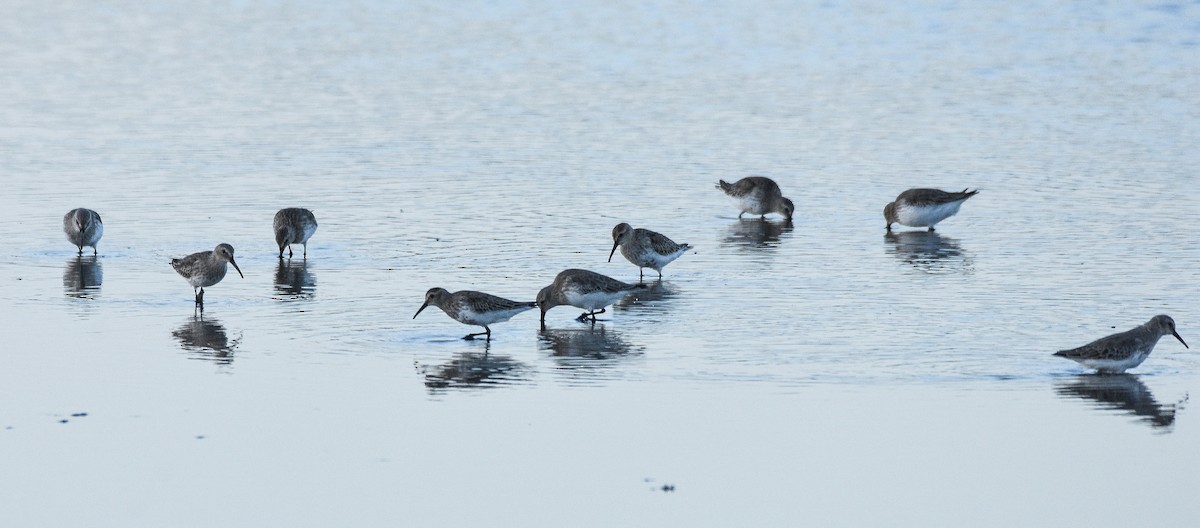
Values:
[(820, 373)]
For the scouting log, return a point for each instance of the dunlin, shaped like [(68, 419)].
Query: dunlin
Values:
[(294, 225), (758, 195), (83, 228), (1125, 350), (474, 308), (924, 207), (645, 248), (584, 289), (205, 268)]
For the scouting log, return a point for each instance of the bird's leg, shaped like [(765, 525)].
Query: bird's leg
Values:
[(641, 274), (200, 298), (289, 251), (306, 252), (95, 251), (487, 331), (740, 215)]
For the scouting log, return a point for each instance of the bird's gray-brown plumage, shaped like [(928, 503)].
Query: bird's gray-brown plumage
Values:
[(645, 248), (584, 289), (205, 268), (474, 308), (294, 225), (758, 195), (924, 207), (83, 228), (1125, 350)]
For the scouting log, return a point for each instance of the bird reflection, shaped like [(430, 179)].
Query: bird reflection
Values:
[(82, 276), (753, 233), (474, 370), (654, 299), (928, 251), (1120, 392), (582, 352), (293, 280), (206, 339)]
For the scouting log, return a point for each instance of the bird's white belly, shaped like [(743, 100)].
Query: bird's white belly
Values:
[(750, 204), (487, 318), (1117, 365), (96, 234), (926, 215), (592, 300), (309, 229)]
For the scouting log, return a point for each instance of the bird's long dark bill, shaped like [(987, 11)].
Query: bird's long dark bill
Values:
[(419, 310), (1176, 334), (235, 266), (613, 252)]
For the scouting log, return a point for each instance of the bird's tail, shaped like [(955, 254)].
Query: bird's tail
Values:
[(724, 186)]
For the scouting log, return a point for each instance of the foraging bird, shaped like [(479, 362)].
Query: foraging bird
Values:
[(758, 195), (294, 225), (1119, 352), (205, 268), (645, 248), (474, 308), (924, 207), (83, 228), (583, 289)]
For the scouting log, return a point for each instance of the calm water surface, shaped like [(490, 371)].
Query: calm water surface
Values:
[(814, 373)]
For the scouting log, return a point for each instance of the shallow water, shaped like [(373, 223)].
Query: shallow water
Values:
[(780, 373)]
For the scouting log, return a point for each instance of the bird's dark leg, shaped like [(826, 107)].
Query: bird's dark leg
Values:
[(80, 250), (889, 228), (95, 251), (641, 274), (306, 257), (487, 331), (200, 297), (289, 251), (740, 215)]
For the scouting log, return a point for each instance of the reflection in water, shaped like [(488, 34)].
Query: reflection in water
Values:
[(585, 351), (472, 370), (753, 233), (655, 299), (293, 280), (928, 251), (1120, 392), (206, 339), (82, 276)]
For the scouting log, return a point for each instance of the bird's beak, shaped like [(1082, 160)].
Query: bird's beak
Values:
[(614, 251), (1176, 334), (235, 266), (423, 307)]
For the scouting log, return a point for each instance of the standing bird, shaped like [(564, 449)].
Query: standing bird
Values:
[(83, 228), (1125, 350), (583, 289), (645, 248), (205, 268), (924, 207), (758, 195), (474, 308), (294, 225)]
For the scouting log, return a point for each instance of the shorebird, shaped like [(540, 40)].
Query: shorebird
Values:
[(757, 195), (645, 248), (924, 207), (582, 289), (1125, 350), (294, 225), (205, 268), (83, 228), (474, 308)]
